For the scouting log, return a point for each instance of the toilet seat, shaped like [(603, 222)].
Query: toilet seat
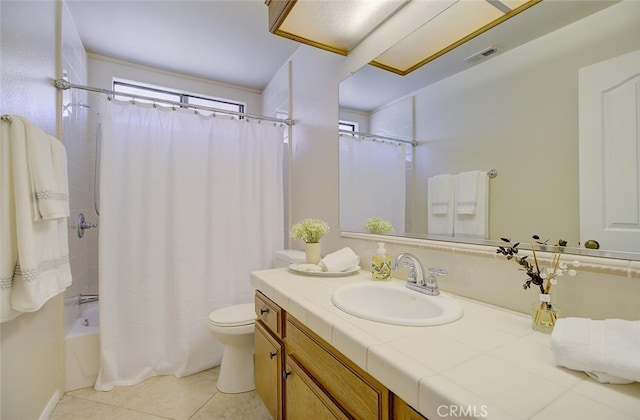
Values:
[(233, 316)]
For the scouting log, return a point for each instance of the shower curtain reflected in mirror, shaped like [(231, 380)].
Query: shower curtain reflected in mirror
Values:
[(372, 182), (190, 205)]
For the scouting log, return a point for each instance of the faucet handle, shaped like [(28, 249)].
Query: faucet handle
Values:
[(412, 276), (431, 283), (437, 271)]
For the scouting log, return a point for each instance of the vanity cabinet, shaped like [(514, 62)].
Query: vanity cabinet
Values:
[(305, 398), (298, 374), (269, 355), (402, 411), (268, 367), (356, 391)]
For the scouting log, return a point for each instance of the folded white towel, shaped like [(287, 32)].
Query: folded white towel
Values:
[(35, 255), (341, 260), (606, 350), (8, 247), (47, 161), (440, 193), (467, 188), (472, 205)]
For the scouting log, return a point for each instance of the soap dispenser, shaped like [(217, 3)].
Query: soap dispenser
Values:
[(381, 264)]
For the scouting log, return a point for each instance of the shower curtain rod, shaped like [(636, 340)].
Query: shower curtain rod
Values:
[(375, 136), (62, 84)]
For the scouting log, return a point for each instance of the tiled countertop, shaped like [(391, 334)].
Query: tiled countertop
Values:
[(488, 364)]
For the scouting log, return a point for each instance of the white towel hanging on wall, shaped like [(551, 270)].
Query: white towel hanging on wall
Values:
[(34, 263)]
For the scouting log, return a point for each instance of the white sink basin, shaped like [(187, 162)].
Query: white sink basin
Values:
[(393, 303)]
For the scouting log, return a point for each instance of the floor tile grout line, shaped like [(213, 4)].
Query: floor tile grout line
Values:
[(203, 404)]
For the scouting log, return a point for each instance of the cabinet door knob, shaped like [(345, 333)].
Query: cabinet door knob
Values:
[(285, 374), (264, 310), (272, 355)]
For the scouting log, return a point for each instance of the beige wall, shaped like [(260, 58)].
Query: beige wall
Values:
[(30, 361), (314, 174)]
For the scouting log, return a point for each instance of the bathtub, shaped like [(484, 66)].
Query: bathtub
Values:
[(82, 348)]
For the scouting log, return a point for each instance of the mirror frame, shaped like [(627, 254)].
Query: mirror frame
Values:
[(450, 241)]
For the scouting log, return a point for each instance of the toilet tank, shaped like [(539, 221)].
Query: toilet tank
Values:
[(285, 257)]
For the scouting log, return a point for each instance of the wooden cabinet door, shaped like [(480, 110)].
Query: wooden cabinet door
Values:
[(402, 411), (353, 389), (268, 368), (305, 399)]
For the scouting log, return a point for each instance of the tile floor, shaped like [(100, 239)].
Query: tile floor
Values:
[(194, 397)]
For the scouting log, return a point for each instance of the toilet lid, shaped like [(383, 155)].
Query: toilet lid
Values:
[(234, 315)]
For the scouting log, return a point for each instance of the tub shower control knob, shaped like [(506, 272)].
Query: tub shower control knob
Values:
[(82, 224)]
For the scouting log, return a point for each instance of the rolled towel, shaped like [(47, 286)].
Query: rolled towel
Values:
[(341, 260), (605, 350)]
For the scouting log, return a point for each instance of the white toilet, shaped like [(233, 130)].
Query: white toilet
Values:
[(286, 257), (234, 326)]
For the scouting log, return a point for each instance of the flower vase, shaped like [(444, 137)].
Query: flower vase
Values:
[(312, 252), (544, 315)]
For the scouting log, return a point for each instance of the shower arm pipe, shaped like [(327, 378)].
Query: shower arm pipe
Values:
[(62, 84), (376, 136)]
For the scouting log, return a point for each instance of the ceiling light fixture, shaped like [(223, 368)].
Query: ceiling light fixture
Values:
[(339, 26), (336, 26)]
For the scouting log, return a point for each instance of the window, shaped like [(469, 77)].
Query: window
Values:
[(125, 90), (347, 125)]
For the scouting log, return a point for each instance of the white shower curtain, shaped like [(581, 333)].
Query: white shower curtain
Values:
[(190, 205), (372, 182)]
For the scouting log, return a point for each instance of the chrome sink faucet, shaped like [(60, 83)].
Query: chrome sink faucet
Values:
[(415, 279), (416, 274)]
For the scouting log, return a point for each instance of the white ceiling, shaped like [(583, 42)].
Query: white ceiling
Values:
[(229, 42), (226, 41)]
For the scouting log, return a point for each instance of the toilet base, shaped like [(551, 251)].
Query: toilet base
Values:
[(236, 370)]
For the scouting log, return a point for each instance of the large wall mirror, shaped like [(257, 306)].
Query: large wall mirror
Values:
[(515, 111)]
